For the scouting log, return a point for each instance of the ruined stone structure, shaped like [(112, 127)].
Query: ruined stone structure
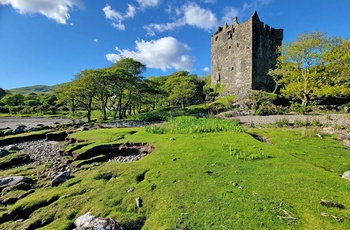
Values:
[(242, 54)]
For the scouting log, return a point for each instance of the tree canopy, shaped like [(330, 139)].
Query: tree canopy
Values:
[(314, 67)]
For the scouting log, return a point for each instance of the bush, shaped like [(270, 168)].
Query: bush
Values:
[(260, 98), (4, 109), (296, 107), (282, 123), (216, 108)]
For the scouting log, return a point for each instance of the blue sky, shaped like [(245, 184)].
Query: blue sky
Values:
[(47, 42)]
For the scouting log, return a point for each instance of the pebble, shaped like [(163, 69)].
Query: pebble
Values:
[(43, 151)]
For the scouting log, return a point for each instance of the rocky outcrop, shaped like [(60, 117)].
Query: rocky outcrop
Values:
[(13, 180), (88, 221)]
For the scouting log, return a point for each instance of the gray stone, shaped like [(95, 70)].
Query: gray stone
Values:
[(88, 221), (60, 178), (3, 152), (19, 129), (12, 148), (13, 180), (346, 175)]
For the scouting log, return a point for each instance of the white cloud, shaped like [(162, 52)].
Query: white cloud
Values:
[(131, 11), (196, 16), (164, 53), (206, 69), (116, 17), (190, 14), (229, 14), (57, 10), (208, 1), (148, 3), (96, 40)]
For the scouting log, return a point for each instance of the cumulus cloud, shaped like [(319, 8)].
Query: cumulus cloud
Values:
[(164, 53), (116, 17), (57, 10), (189, 14), (206, 69), (148, 3)]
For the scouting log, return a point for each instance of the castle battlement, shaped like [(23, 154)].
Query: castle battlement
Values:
[(242, 54)]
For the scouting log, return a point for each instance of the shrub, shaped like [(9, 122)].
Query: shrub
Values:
[(282, 123), (216, 108)]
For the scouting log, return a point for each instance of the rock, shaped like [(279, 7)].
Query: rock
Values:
[(3, 152), (19, 129), (57, 136), (82, 128), (60, 178), (346, 175), (12, 148), (88, 221), (138, 202), (8, 132), (13, 180)]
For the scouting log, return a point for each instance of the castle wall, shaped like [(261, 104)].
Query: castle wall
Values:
[(265, 43), (242, 54)]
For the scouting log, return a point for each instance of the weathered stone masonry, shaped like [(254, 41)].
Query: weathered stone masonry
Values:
[(242, 54)]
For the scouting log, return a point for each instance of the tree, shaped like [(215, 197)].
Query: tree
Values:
[(85, 90), (184, 89), (2, 93), (306, 68), (67, 95), (126, 85), (13, 99)]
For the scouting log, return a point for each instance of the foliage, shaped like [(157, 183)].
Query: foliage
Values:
[(189, 124), (151, 116), (313, 67), (183, 89), (264, 103)]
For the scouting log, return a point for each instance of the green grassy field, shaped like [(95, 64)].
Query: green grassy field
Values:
[(202, 180)]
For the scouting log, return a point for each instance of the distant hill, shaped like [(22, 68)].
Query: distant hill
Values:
[(38, 89)]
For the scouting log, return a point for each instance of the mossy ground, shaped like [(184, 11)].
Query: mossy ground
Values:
[(188, 181)]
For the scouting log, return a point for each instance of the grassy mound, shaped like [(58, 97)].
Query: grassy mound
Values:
[(201, 180)]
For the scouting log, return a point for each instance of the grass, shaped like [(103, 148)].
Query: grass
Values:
[(188, 183), (190, 125)]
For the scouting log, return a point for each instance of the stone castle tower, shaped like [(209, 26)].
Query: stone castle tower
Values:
[(242, 54)]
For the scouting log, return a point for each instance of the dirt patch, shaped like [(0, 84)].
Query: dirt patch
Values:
[(13, 122)]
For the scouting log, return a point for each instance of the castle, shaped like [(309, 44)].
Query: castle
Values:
[(242, 54)]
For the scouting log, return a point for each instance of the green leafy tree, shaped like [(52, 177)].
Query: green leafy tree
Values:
[(184, 89), (13, 99), (312, 67)]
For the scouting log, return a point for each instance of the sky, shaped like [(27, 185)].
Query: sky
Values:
[(48, 42)]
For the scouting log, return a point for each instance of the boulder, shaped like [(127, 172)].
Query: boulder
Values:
[(60, 178), (88, 221), (346, 175), (13, 180), (12, 148), (19, 129), (3, 152)]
